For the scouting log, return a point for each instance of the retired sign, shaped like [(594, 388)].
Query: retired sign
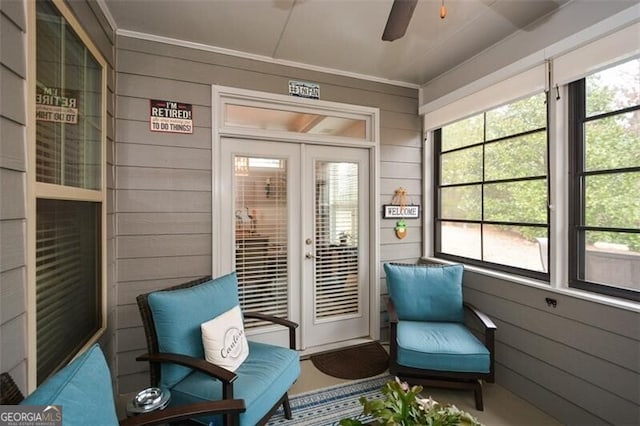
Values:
[(392, 211), (57, 105), (170, 117)]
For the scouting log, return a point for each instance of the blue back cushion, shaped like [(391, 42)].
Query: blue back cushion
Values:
[(426, 293), (177, 315), (83, 388)]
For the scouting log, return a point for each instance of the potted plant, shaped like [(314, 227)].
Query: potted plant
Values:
[(403, 406)]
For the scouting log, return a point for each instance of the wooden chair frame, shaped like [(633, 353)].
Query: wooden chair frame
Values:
[(447, 379), (10, 395), (156, 358)]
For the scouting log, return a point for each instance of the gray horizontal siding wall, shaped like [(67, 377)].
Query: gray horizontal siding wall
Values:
[(579, 361), (13, 197), (163, 181)]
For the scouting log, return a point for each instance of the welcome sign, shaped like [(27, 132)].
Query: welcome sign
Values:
[(393, 211)]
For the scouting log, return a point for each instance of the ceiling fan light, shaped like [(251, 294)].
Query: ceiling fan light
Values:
[(443, 11)]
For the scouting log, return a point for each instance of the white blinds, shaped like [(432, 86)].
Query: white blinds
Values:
[(513, 88), (616, 47), (576, 63), (261, 226), (66, 274), (336, 265)]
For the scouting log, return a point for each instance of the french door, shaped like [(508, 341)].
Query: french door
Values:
[(335, 290), (298, 236)]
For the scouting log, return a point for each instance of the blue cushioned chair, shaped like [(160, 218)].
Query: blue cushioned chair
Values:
[(83, 390), (432, 332), (172, 319)]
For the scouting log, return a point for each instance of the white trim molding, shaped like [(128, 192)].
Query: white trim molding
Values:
[(261, 58)]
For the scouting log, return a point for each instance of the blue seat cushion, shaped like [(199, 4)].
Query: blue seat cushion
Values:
[(177, 315), (82, 388), (426, 293), (266, 374), (440, 346)]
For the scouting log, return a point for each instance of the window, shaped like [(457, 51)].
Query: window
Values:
[(69, 190), (282, 120), (605, 210), (491, 188)]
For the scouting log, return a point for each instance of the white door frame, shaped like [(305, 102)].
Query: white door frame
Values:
[(221, 96)]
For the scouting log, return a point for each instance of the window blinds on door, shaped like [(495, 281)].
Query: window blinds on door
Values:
[(261, 234), (336, 215)]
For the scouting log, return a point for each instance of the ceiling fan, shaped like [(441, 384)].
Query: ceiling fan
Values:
[(399, 18), (520, 14)]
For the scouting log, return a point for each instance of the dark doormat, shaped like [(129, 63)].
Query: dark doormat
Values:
[(356, 362)]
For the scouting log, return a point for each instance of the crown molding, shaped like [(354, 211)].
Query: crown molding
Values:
[(261, 58)]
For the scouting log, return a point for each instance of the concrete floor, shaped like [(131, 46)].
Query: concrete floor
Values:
[(501, 407)]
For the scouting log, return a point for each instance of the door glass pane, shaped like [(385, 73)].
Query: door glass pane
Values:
[(261, 234), (336, 247)]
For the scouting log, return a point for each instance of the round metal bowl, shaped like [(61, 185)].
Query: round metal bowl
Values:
[(147, 400)]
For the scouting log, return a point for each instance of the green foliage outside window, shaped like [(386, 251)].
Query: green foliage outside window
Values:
[(612, 142), (522, 156)]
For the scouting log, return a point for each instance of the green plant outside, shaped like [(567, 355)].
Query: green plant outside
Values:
[(610, 143)]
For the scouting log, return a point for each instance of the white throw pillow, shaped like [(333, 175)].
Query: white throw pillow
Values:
[(224, 341)]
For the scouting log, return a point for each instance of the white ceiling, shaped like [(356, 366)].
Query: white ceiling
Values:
[(340, 35)]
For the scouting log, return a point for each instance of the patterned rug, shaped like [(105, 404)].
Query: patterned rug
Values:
[(325, 407)]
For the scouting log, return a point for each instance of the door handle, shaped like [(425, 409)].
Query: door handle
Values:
[(310, 255)]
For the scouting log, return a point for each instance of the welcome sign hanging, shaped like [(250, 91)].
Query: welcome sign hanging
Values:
[(392, 211), (399, 209)]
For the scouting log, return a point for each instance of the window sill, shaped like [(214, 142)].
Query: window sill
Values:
[(543, 285)]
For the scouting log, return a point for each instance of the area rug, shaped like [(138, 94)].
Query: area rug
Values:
[(356, 362), (326, 407)]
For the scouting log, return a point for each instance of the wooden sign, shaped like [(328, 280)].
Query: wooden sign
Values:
[(392, 211)]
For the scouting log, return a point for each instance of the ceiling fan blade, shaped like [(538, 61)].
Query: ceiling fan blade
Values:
[(399, 19)]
